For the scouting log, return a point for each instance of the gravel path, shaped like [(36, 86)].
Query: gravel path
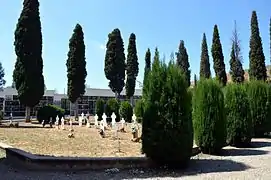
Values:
[(252, 163)]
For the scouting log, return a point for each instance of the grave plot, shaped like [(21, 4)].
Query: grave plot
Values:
[(91, 138)]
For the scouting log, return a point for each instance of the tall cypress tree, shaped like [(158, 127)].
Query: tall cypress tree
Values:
[(195, 80), (205, 71), (182, 61), (270, 46), (131, 68), (218, 58), (2, 75), (147, 68), (147, 62), (76, 65), (257, 68), (114, 67), (28, 71), (236, 69)]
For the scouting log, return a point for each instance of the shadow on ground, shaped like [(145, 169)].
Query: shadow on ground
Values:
[(242, 152), (260, 144), (24, 126)]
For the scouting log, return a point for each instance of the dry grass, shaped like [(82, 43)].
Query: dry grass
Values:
[(86, 143)]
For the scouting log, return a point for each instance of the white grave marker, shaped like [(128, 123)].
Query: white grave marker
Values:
[(113, 117), (57, 122), (62, 123), (96, 120), (70, 123), (88, 123), (102, 125), (80, 121), (134, 118), (122, 121), (104, 119)]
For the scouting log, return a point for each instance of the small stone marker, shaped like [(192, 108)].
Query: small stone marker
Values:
[(62, 123), (96, 120), (122, 121), (43, 123), (113, 117), (71, 124), (88, 124), (104, 120), (57, 122), (134, 118), (80, 120)]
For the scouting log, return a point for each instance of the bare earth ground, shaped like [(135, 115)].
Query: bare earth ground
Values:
[(236, 164), (86, 143)]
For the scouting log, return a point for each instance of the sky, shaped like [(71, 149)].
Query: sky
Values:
[(159, 24)]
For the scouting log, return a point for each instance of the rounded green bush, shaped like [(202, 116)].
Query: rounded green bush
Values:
[(209, 118), (126, 111), (167, 132), (258, 98), (99, 108), (239, 122), (139, 110), (112, 105), (49, 111)]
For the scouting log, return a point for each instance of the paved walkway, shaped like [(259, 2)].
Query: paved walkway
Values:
[(252, 163)]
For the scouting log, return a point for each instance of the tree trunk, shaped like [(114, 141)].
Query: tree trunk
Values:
[(76, 109), (27, 114), (132, 101), (116, 95)]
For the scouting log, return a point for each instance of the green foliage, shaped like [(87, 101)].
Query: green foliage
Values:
[(258, 98), (209, 118), (28, 71), (257, 69), (126, 111), (239, 122), (131, 67), (147, 62), (2, 75), (205, 71), (76, 65), (112, 105), (183, 63), (49, 111), (218, 58), (99, 108), (114, 67), (1, 115), (139, 109), (236, 69), (167, 132)]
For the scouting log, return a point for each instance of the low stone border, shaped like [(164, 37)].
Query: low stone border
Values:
[(38, 162)]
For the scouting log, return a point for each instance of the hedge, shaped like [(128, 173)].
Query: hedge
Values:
[(209, 118), (239, 122), (50, 111), (167, 132), (99, 108), (112, 105), (258, 97), (126, 111)]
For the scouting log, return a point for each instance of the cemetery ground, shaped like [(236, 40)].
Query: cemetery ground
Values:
[(87, 142)]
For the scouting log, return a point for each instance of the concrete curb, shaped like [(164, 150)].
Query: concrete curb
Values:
[(38, 162)]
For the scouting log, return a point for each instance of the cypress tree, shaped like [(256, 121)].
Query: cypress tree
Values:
[(257, 69), (182, 61), (236, 69), (218, 58), (2, 75), (205, 71), (28, 71), (147, 62), (114, 67), (131, 68), (195, 80), (76, 65)]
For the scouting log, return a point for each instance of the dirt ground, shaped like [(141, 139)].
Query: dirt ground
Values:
[(87, 142)]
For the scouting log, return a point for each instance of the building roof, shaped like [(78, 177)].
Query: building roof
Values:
[(9, 91)]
